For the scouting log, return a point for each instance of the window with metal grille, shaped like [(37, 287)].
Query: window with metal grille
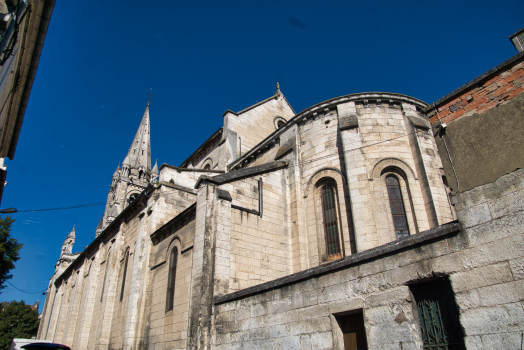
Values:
[(438, 316), (329, 212), (171, 279), (124, 276), (397, 207)]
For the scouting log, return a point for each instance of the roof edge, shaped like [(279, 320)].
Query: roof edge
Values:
[(476, 80), (206, 142)]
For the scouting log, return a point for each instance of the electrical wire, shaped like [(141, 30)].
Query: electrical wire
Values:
[(61, 208), (296, 164), (24, 291)]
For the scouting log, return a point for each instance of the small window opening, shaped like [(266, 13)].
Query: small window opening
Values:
[(398, 211), (353, 330), (171, 279), (438, 315), (105, 277), (134, 150), (207, 167), (280, 124), (329, 212), (124, 277), (142, 152), (132, 197)]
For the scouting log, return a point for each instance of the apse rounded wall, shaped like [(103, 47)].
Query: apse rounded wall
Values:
[(368, 137)]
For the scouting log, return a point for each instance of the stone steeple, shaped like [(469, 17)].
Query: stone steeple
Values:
[(139, 154), (67, 246), (154, 172), (133, 177)]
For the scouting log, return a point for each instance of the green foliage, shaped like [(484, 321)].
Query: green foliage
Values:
[(171, 181), (17, 320), (9, 248)]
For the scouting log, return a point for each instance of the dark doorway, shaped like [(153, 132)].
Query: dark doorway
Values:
[(352, 326), (438, 315)]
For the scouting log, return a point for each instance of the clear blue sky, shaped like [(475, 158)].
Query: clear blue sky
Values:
[(100, 59)]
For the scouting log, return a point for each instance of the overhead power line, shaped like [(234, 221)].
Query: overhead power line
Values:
[(25, 291), (13, 210)]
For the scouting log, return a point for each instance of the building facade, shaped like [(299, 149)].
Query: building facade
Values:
[(23, 28), (368, 221)]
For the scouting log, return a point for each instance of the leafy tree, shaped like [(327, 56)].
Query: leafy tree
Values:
[(9, 248), (17, 320)]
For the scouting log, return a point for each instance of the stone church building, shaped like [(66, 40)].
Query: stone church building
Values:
[(367, 221)]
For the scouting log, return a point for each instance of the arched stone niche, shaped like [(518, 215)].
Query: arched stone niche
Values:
[(317, 252), (411, 197)]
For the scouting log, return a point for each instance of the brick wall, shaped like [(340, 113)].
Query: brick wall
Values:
[(483, 96)]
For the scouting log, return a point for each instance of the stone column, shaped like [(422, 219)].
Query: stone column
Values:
[(202, 284)]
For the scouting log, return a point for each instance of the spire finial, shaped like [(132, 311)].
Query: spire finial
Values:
[(278, 89), (149, 99)]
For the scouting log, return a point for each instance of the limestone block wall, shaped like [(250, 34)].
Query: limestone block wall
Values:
[(483, 261), (386, 141), (168, 329), (259, 246), (167, 202), (256, 123), (318, 157), (490, 289), (87, 312), (181, 177)]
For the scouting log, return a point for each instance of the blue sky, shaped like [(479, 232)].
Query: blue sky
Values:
[(201, 58)]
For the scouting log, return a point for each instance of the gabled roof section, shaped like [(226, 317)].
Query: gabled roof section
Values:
[(203, 146), (276, 95)]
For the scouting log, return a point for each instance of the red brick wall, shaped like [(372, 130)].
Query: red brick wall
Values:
[(485, 95)]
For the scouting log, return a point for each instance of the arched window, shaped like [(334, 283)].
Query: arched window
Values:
[(105, 276), (207, 167), (171, 279), (280, 124), (140, 173), (329, 214), (124, 276), (398, 210)]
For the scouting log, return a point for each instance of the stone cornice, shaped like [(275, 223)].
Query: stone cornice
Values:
[(242, 173)]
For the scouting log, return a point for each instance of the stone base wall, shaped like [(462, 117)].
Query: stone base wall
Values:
[(484, 261)]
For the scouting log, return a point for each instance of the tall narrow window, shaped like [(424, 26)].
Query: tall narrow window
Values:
[(124, 276), (105, 277), (329, 213), (397, 207), (171, 279)]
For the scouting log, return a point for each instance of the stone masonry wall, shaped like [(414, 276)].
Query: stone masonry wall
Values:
[(484, 262), (259, 246), (257, 123)]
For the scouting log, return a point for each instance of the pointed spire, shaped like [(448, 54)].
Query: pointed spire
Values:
[(155, 168), (278, 89), (140, 151), (67, 246), (117, 171)]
